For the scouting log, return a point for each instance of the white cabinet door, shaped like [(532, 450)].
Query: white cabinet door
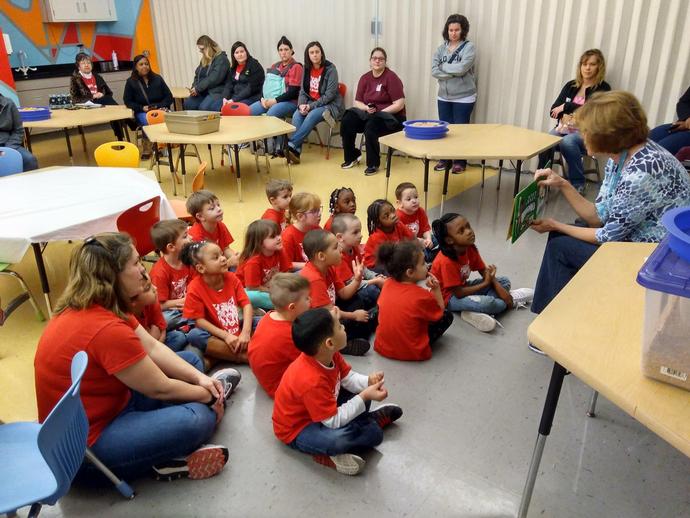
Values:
[(78, 10), (101, 10)]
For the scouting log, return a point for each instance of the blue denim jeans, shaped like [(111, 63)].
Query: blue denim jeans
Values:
[(304, 125), (203, 102), (572, 147), (141, 118), (484, 301), (280, 110), (455, 113), (29, 162), (670, 141), (149, 431), (176, 340)]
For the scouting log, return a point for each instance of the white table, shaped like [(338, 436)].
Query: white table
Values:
[(67, 203)]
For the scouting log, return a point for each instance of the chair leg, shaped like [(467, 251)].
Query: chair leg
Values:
[(592, 410), (328, 145), (123, 487), (34, 511), (210, 154), (27, 295), (196, 153)]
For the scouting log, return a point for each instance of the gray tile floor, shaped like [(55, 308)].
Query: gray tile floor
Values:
[(463, 446)]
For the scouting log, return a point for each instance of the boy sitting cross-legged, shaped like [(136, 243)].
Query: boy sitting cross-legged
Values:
[(321, 405)]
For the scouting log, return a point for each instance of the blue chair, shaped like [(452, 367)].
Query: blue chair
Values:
[(10, 161)]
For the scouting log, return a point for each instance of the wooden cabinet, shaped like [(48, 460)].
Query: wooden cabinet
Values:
[(78, 10)]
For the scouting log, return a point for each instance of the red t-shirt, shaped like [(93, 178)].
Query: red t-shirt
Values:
[(314, 80), (259, 269), (294, 74), (329, 223), (292, 244), (170, 282), (222, 236), (405, 311), (418, 223), (375, 240), (276, 215), (91, 84), (322, 288), (152, 316), (308, 393), (239, 70), (111, 345), (452, 273), (344, 269), (381, 91), (218, 307), (271, 351)]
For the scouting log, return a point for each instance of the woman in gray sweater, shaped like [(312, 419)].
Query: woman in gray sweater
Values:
[(453, 67)]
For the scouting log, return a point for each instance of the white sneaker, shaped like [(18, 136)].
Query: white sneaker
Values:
[(485, 323), (522, 297), (345, 463)]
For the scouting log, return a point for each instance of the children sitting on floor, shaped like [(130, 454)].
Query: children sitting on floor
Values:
[(414, 217), (148, 312), (321, 248), (208, 223), (475, 299), (322, 405), (305, 215), (271, 349), (214, 299), (383, 225), (412, 312), (261, 258), (279, 193), (342, 201)]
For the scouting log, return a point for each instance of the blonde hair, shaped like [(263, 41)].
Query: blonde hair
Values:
[(94, 270), (611, 122), (277, 185), (303, 202), (284, 288), (601, 70), (211, 48)]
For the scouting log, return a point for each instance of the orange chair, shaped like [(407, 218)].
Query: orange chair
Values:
[(137, 222), (117, 154), (179, 206), (334, 126)]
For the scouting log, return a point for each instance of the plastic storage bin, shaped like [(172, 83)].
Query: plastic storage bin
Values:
[(666, 333), (192, 122)]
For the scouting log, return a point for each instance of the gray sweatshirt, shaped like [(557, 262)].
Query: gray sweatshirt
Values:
[(328, 90), (454, 71), (11, 128)]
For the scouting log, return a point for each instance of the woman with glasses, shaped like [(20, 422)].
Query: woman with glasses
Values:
[(378, 109), (210, 76)]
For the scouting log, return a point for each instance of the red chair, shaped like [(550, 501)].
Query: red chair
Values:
[(137, 222), (333, 125), (231, 109)]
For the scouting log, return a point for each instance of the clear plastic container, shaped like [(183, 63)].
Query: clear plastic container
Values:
[(666, 334), (192, 122)]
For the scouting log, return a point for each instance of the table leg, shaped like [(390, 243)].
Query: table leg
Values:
[(210, 154), (483, 171), (83, 142), (27, 139), (171, 164), (592, 410), (157, 160), (554, 391), (183, 168), (426, 182), (518, 172), (236, 152), (268, 162), (69, 146), (287, 159), (256, 155), (38, 255), (125, 130), (389, 159), (500, 171), (446, 174)]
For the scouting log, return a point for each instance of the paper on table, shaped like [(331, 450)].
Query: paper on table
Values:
[(89, 104)]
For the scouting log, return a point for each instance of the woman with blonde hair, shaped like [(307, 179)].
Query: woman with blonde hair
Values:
[(589, 79), (210, 76)]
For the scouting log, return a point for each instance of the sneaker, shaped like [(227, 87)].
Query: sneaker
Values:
[(485, 323), (522, 297), (293, 155), (386, 414), (371, 171), (535, 349), (345, 463), (356, 347), (441, 165), (457, 168), (349, 165), (230, 378), (205, 462)]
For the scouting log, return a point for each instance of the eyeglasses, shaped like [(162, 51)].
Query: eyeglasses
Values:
[(314, 212), (378, 58)]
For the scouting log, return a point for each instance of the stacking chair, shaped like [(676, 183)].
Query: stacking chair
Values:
[(117, 154), (333, 125), (179, 206), (10, 161), (137, 222)]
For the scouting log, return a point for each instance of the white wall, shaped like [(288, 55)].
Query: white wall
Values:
[(527, 49)]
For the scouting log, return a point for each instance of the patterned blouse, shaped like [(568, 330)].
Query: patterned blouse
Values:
[(630, 207)]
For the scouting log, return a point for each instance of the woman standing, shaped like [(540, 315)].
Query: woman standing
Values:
[(378, 109), (210, 76), (145, 90), (319, 98), (245, 79), (589, 78), (453, 67)]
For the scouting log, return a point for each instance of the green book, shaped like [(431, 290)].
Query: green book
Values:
[(528, 205)]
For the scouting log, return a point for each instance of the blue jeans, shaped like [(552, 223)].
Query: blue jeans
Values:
[(455, 113), (572, 147), (204, 102), (141, 118), (563, 258), (304, 125), (176, 340), (369, 295), (280, 110), (670, 141), (149, 431), (199, 338), (29, 162), (484, 301)]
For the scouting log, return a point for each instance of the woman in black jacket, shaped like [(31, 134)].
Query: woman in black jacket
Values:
[(145, 90), (589, 78), (245, 80), (209, 77)]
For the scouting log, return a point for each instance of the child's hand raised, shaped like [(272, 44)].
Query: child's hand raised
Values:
[(357, 269), (374, 392), (375, 377)]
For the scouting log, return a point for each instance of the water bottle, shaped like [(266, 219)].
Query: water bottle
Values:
[(116, 64)]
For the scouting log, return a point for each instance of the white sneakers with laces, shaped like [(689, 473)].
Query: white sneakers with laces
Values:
[(522, 297)]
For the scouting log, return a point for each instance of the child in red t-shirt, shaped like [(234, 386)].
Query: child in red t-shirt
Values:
[(208, 223), (261, 258), (321, 405), (414, 217), (214, 299), (342, 201), (279, 193), (321, 248), (271, 349), (305, 215), (148, 312), (475, 299), (383, 225), (412, 312)]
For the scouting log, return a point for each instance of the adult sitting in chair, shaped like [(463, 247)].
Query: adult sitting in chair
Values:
[(210, 76), (676, 135), (642, 181), (245, 80), (589, 78), (150, 410), (378, 109), (12, 132)]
